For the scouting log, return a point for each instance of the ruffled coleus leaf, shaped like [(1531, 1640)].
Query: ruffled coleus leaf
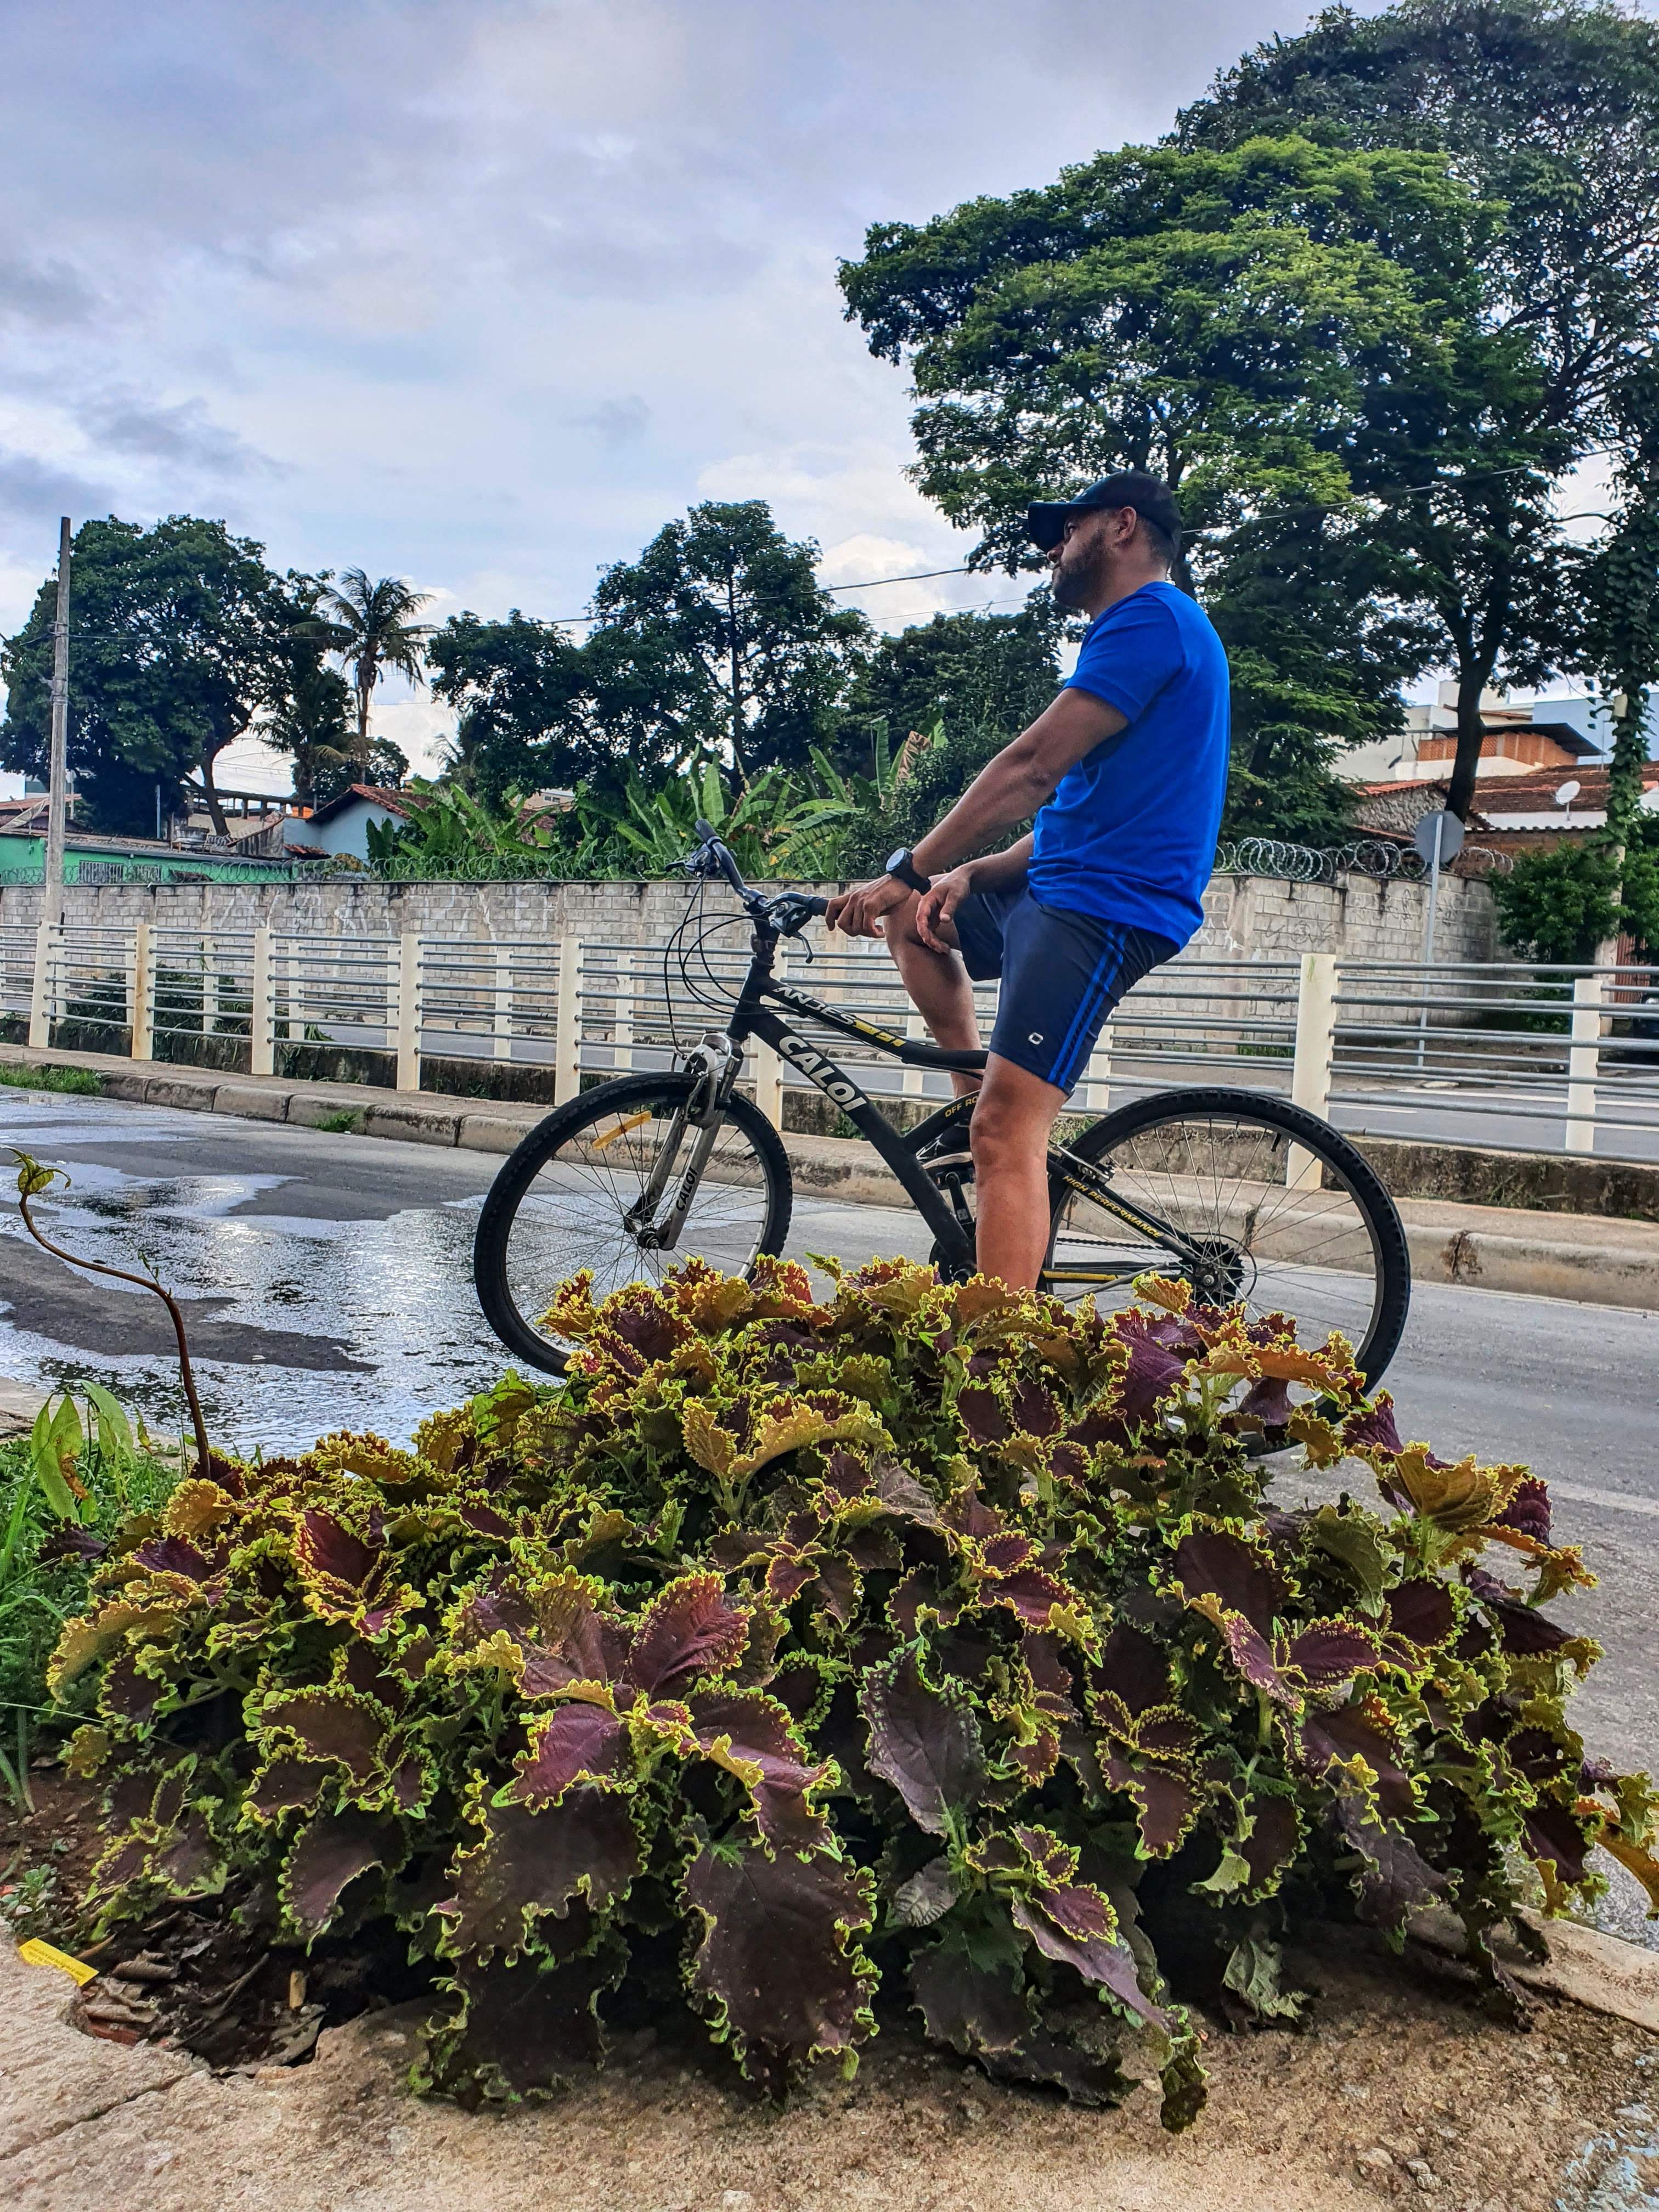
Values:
[(925, 1896), (779, 1965), (1310, 1664), (690, 1629), (523, 2027), (578, 1742), (532, 1861), (341, 1726), (1076, 1925), (327, 1856), (1394, 1879), (347, 1577), (753, 1737), (1358, 1739), (925, 1742), (979, 2007), (1233, 1576), (1275, 1836)]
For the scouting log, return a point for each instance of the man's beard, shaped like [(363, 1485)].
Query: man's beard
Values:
[(1072, 584)]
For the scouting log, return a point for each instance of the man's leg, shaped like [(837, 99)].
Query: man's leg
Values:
[(1009, 1136), (939, 987)]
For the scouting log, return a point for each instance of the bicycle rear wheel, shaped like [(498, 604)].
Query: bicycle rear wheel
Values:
[(1262, 1202), (563, 1201)]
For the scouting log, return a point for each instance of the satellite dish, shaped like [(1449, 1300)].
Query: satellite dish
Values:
[(1441, 829), (1567, 792)]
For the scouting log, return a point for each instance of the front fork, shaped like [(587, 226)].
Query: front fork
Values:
[(715, 1067)]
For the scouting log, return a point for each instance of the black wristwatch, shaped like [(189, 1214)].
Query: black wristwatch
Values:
[(901, 865)]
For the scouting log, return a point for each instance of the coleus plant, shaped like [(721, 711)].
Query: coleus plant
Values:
[(931, 1637)]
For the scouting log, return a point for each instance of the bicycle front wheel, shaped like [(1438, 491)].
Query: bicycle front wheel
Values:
[(1247, 1198), (575, 1193)]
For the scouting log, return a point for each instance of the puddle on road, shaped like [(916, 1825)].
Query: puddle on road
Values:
[(394, 1295)]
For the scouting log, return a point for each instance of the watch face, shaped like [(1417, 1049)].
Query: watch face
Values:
[(897, 860)]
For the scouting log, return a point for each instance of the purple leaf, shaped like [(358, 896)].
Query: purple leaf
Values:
[(1165, 1800), (1074, 1925), (1268, 1401), (752, 1736), (330, 1855), (283, 1785), (332, 1724), (1133, 1667), (983, 1417), (926, 1743), (1153, 1371), (1373, 1430), (1521, 1629), (1326, 1652), (1272, 1844), (1528, 1511), (533, 1862), (1345, 1734), (689, 1629), (1395, 1880), (1422, 1611), (524, 2026), (983, 2014), (1208, 1562), (1035, 1411), (577, 1743), (775, 1961), (1552, 1832), (345, 1577)]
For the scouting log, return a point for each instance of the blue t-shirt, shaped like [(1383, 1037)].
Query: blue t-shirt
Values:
[(1129, 836)]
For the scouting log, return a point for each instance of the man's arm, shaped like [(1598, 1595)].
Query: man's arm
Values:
[(1007, 790)]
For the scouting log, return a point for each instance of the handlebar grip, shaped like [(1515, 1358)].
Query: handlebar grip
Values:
[(816, 905)]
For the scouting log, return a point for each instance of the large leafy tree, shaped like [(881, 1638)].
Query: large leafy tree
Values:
[(1548, 111), (997, 671), (370, 626), (177, 644), (1225, 319), (526, 716), (719, 639)]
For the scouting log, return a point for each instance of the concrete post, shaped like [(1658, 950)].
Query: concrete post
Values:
[(622, 1017), (911, 1083), (40, 994), (409, 1012), (1311, 1073), (567, 1030), (500, 1045), (1097, 1076), (141, 998), (262, 1009), (1583, 1063)]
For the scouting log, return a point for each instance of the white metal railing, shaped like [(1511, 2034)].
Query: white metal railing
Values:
[(1522, 1058)]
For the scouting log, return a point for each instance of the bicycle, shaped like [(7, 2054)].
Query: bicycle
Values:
[(1242, 1195)]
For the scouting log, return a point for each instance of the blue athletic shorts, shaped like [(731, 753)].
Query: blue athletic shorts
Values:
[(1062, 973)]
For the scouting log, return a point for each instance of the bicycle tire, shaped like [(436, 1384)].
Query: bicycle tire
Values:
[(492, 1272), (1376, 1210)]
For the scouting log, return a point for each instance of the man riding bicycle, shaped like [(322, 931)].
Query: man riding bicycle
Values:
[(1125, 772)]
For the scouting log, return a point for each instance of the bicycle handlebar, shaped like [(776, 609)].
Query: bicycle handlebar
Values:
[(789, 909)]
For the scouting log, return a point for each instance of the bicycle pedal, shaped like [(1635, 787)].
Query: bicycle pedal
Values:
[(933, 1161)]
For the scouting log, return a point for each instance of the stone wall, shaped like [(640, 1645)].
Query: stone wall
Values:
[(1246, 917)]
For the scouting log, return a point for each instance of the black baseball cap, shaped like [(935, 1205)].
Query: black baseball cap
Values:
[(1150, 496)]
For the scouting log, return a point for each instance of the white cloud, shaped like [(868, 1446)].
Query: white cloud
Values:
[(483, 291)]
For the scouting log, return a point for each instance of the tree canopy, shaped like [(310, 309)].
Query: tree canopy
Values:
[(177, 643), (717, 643)]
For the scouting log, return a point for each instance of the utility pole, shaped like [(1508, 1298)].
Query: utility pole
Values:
[(57, 766)]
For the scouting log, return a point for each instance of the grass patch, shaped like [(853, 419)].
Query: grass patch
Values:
[(79, 1081), (343, 1124), (38, 1593)]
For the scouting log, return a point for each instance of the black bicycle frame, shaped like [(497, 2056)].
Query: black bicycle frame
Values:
[(752, 1016)]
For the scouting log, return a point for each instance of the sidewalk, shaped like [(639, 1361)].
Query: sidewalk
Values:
[(1593, 1258)]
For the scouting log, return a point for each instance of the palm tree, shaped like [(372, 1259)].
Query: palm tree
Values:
[(368, 626)]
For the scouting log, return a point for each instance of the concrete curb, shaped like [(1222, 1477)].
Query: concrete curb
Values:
[(1603, 1972), (1590, 1259)]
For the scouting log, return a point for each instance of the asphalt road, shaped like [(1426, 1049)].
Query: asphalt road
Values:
[(329, 1286)]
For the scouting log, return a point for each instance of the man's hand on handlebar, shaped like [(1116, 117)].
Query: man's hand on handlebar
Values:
[(857, 911)]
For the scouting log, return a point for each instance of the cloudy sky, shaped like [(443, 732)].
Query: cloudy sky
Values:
[(482, 292)]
